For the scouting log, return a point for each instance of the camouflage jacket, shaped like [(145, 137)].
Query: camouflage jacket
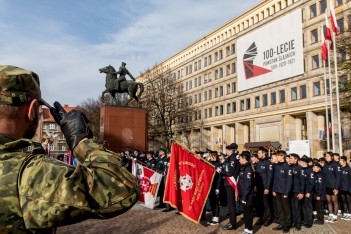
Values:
[(38, 193)]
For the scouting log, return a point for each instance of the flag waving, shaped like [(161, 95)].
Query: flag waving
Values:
[(333, 21), (324, 48), (188, 182)]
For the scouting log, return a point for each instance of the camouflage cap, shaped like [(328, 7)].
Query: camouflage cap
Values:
[(18, 86)]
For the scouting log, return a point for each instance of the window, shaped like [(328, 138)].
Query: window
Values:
[(265, 100), (233, 87), (228, 88), (190, 84), (216, 111), (221, 91), (205, 62), (328, 87), (205, 79), (315, 62), (221, 72), (282, 96), (216, 92), (51, 126), (313, 11), (190, 100), (216, 57), (199, 114), (190, 69), (233, 68), (221, 110), (52, 148), (220, 54), (62, 148), (273, 98), (314, 36), (209, 60), (229, 108), (186, 86), (257, 101), (199, 64), (186, 71), (227, 51), (209, 112), (242, 105), (199, 81), (340, 23), (205, 113), (195, 98), (233, 107), (205, 96), (293, 94), (210, 94), (228, 70), (323, 6), (216, 74), (178, 74), (248, 104), (233, 48), (199, 97), (338, 2), (317, 88), (195, 82), (210, 77), (303, 91)]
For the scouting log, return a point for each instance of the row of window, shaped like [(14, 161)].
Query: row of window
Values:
[(322, 4), (218, 55)]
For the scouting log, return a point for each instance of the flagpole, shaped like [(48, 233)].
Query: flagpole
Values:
[(337, 94), (331, 100), (326, 108)]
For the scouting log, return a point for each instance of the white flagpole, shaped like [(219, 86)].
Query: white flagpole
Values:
[(331, 100), (326, 108), (337, 95)]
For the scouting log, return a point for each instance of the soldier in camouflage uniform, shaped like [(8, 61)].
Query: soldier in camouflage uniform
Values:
[(38, 193)]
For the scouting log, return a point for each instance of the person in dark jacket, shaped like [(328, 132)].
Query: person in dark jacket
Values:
[(282, 185), (214, 192), (150, 161), (160, 166), (319, 192), (231, 169), (331, 175), (245, 187), (298, 190), (263, 182), (345, 183), (307, 209)]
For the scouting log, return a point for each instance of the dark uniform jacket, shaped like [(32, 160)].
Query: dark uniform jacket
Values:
[(298, 179), (282, 182), (309, 180), (264, 174), (150, 163), (246, 182), (231, 167), (160, 165), (319, 187), (331, 174), (345, 178)]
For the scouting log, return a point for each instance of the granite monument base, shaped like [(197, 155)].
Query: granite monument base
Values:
[(123, 127)]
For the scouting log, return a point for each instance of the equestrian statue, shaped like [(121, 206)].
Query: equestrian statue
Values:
[(116, 85)]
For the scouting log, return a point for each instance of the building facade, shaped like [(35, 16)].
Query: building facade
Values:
[(292, 108)]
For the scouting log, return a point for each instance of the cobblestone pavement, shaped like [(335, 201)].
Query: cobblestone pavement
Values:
[(143, 220)]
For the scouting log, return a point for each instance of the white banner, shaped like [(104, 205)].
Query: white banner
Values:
[(301, 148), (149, 182), (271, 53)]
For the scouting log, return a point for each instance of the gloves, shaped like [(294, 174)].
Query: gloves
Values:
[(244, 202), (218, 170), (217, 191), (74, 124)]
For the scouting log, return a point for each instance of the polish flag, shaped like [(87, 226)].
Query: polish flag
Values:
[(324, 48), (327, 29), (333, 18)]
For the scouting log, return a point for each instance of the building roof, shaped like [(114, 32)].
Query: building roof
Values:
[(47, 117)]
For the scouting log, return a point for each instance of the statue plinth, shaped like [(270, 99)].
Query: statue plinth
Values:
[(123, 127)]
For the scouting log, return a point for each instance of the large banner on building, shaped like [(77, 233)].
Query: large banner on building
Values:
[(271, 53), (149, 182), (188, 184)]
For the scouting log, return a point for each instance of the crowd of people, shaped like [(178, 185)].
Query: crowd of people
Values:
[(290, 190)]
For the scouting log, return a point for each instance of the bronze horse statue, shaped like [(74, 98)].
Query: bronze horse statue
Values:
[(128, 86)]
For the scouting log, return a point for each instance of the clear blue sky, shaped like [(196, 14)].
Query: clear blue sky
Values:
[(67, 41)]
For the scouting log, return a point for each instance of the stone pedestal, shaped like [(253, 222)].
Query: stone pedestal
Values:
[(123, 127)]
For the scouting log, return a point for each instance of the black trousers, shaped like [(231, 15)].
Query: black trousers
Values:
[(296, 209), (284, 210), (307, 211), (275, 210), (214, 202), (161, 191), (248, 212), (320, 210), (268, 208), (231, 205)]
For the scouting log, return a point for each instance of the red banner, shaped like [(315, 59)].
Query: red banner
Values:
[(188, 183)]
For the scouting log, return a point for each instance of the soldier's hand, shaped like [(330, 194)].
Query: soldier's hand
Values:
[(308, 195), (217, 191), (266, 191), (274, 194), (74, 124)]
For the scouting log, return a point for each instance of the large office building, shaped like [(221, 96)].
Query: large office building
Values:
[(259, 77)]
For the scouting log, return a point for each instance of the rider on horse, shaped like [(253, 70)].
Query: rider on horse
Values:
[(122, 75)]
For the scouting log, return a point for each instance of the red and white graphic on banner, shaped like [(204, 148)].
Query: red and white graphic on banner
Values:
[(188, 183), (149, 182)]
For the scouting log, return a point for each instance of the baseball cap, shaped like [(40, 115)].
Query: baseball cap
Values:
[(18, 85)]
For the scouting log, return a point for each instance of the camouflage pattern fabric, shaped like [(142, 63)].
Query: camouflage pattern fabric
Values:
[(18, 86), (38, 193)]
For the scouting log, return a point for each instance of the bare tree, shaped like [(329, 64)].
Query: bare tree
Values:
[(167, 105), (91, 108)]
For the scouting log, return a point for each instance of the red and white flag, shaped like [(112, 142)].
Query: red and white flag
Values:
[(324, 48), (328, 36), (234, 183), (333, 21), (149, 182), (188, 182)]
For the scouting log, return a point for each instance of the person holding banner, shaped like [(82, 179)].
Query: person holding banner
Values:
[(160, 166), (231, 170), (245, 187)]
